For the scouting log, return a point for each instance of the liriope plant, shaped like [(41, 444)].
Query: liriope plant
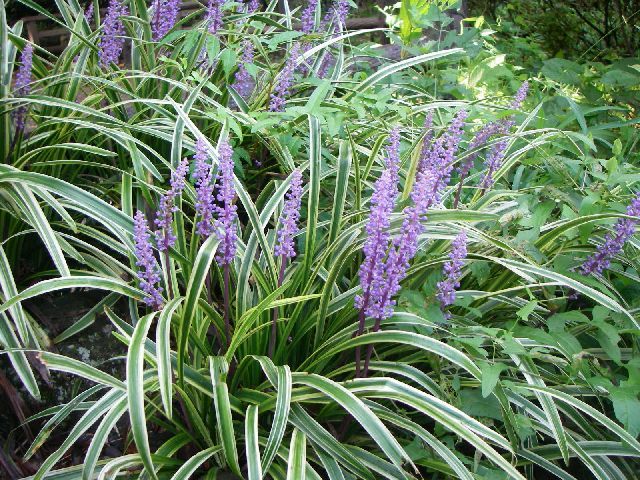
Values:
[(359, 378)]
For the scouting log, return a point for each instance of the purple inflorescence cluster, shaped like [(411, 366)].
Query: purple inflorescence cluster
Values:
[(253, 6), (613, 242), (225, 226), (23, 83), (148, 268), (281, 90), (214, 15), (308, 17), (164, 217), (493, 162), (289, 217), (243, 83), (383, 200), (380, 277), (203, 175), (112, 40), (490, 130), (165, 14), (452, 271), (88, 13)]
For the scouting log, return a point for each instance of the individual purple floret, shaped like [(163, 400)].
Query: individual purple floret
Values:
[(385, 192), (452, 271), (493, 163), (112, 40), (308, 17), (242, 82), (204, 190), (289, 217), (225, 226), (281, 90), (165, 15), (23, 83), (213, 18), (148, 268), (613, 242), (164, 217)]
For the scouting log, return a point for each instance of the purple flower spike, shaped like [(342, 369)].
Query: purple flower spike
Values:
[(426, 143), (452, 271), (165, 14), (281, 90), (520, 95), (623, 230), (164, 219), (203, 176), (441, 156), (308, 17), (148, 268), (214, 15), (88, 13), (225, 223), (383, 201), (479, 140), (338, 11), (493, 163), (289, 218), (112, 40), (253, 6), (23, 84), (243, 83)]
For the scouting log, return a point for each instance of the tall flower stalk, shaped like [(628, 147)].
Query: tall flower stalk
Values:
[(203, 176), (282, 88), (284, 245), (242, 82), (225, 228), (494, 159), (391, 269), (452, 272), (213, 17), (623, 230), (165, 15), (112, 40), (385, 192), (148, 269), (23, 85)]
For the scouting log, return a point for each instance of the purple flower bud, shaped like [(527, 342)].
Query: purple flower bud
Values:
[(225, 223), (281, 90), (623, 230), (112, 40), (165, 15), (204, 181), (452, 271), (23, 84), (164, 217), (253, 6), (289, 217), (214, 15), (383, 200), (148, 268), (242, 82), (308, 17)]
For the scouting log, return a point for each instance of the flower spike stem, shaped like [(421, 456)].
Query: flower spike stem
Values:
[(274, 322)]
